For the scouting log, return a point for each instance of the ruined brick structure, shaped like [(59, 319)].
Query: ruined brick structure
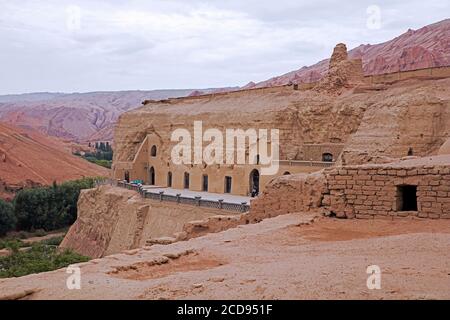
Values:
[(419, 188), (410, 188)]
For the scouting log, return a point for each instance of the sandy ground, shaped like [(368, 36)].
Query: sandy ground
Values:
[(287, 257)]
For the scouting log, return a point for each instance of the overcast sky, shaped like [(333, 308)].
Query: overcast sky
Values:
[(78, 46)]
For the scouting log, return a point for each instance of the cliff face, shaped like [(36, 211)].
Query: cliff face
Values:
[(373, 123), (413, 118), (112, 219)]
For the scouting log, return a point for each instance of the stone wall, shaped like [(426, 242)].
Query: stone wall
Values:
[(375, 191), (364, 191), (435, 72)]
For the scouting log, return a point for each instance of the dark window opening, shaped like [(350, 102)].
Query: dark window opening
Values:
[(327, 157), (410, 152), (127, 176), (228, 184), (153, 151), (169, 179), (205, 183), (286, 173), (186, 180), (407, 198)]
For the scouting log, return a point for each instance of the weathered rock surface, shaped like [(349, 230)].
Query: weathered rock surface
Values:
[(375, 125), (112, 219)]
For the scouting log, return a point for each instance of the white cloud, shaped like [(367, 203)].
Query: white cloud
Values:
[(118, 45)]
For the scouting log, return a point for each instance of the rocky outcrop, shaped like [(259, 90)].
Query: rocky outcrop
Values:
[(342, 72), (112, 219), (339, 55), (415, 49)]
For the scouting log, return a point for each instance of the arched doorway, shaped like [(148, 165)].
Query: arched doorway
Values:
[(169, 179), (228, 182), (205, 183), (254, 183), (151, 175), (327, 157), (286, 173), (186, 180)]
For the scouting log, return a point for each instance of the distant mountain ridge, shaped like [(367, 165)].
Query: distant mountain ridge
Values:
[(76, 116), (415, 49), (28, 158)]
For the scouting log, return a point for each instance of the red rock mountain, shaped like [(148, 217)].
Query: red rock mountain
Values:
[(28, 158), (77, 116), (415, 49)]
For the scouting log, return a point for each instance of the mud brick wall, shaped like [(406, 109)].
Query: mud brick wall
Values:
[(289, 194), (373, 191)]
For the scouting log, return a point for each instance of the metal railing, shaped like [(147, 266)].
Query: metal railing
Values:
[(178, 198), (305, 163)]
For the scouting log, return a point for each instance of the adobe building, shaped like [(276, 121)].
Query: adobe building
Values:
[(344, 119)]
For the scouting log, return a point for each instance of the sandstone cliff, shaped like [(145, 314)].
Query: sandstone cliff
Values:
[(373, 123), (111, 220)]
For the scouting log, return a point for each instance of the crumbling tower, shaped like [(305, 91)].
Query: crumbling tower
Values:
[(342, 72)]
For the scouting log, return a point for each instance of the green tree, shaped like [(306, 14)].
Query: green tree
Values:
[(49, 208), (7, 217)]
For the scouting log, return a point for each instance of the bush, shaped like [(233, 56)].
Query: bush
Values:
[(49, 208), (39, 258), (11, 244), (55, 241), (7, 217)]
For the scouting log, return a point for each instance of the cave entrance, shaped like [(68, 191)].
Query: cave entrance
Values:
[(169, 179), (205, 183), (407, 198), (151, 176), (327, 157), (228, 184), (254, 183), (186, 180)]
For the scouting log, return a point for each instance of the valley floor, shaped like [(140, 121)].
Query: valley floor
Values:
[(296, 256)]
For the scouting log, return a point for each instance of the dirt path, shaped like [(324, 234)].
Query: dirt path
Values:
[(286, 257), (46, 237)]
